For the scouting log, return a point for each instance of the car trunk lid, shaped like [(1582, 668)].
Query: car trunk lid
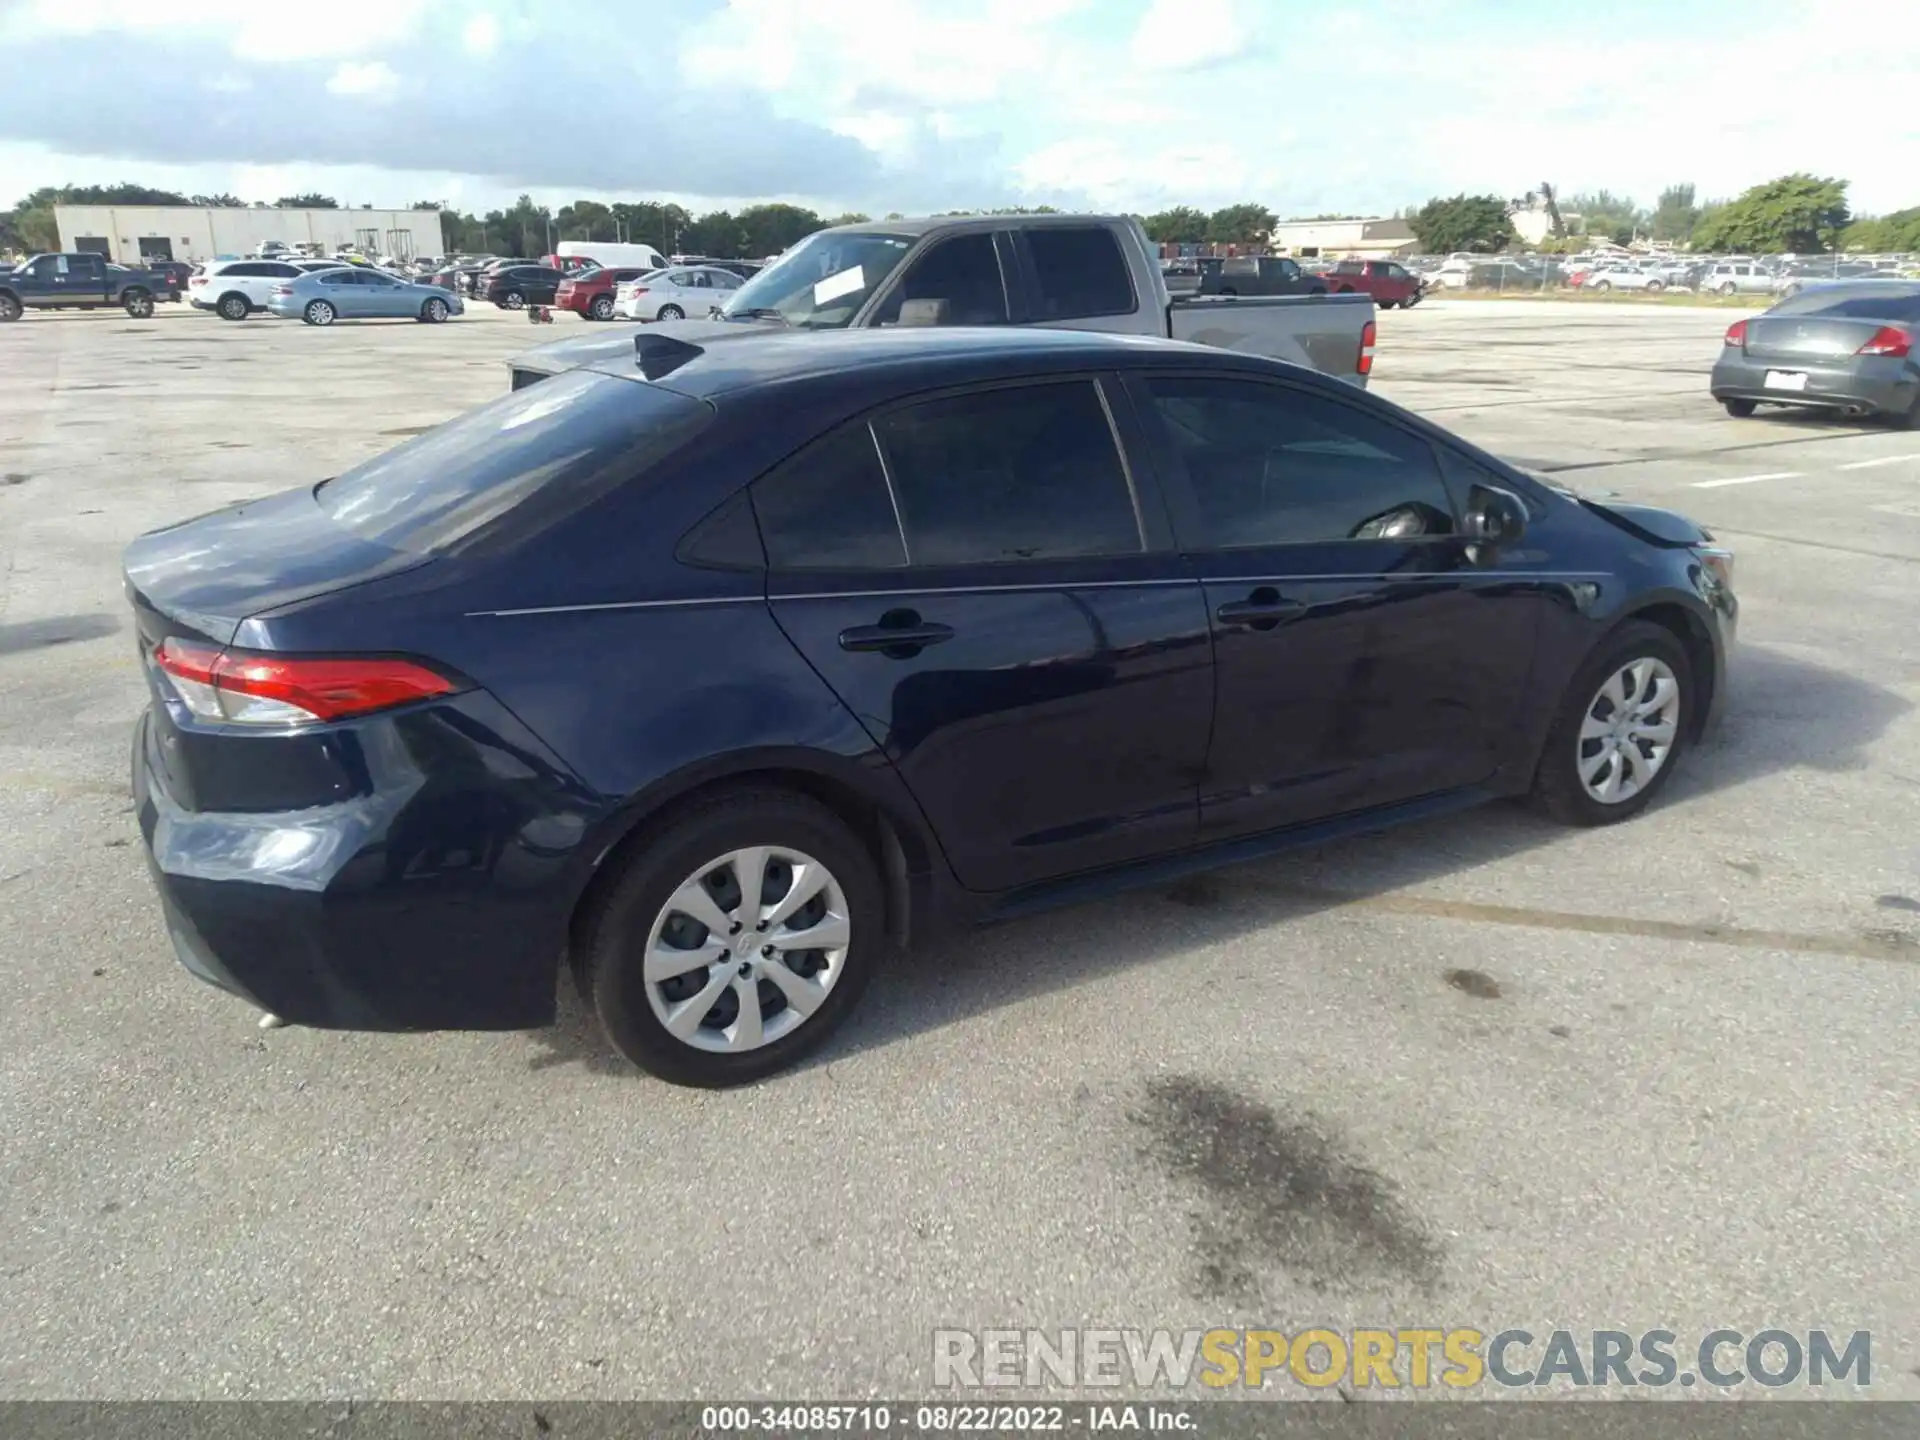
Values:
[(1811, 338), (203, 577)]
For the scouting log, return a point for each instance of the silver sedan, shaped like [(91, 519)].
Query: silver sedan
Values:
[(358, 292)]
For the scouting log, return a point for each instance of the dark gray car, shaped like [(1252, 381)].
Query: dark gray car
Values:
[(1847, 346)]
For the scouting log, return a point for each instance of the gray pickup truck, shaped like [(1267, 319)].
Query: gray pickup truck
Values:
[(77, 280), (1076, 272)]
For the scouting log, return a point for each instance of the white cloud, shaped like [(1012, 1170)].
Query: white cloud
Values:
[(374, 78), (1188, 35), (481, 35)]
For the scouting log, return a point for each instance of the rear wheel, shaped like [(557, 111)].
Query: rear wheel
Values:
[(1908, 419), (1601, 285), (670, 312), (1620, 729), (233, 307), (1739, 409), (1654, 287), (514, 300), (1726, 287), (9, 309), (319, 312), (138, 304), (601, 308), (734, 939)]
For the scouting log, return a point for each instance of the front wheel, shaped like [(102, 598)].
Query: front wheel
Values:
[(320, 312), (1654, 287), (514, 300), (1739, 409), (138, 304), (670, 312), (601, 308), (734, 938), (1726, 287), (434, 311), (1620, 729), (1602, 286)]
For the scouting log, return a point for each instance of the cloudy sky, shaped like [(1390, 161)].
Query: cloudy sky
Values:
[(940, 104)]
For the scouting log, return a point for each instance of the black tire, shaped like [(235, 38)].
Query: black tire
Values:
[(670, 312), (234, 306), (1601, 287), (601, 308), (615, 932), (513, 300), (318, 312), (1740, 409), (434, 311), (1654, 287), (1908, 419), (10, 309), (1557, 788)]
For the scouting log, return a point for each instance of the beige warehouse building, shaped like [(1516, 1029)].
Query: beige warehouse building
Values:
[(1377, 238), (133, 233)]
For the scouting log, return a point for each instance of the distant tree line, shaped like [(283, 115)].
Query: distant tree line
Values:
[(1800, 213)]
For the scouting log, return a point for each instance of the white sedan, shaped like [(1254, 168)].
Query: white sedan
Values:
[(676, 292)]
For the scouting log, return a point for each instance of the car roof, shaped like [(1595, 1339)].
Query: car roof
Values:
[(732, 357)]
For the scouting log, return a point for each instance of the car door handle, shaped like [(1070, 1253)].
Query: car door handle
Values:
[(901, 634), (1262, 610)]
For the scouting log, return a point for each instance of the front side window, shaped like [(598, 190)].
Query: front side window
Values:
[(1030, 472), (1079, 272), (1271, 465), (963, 272)]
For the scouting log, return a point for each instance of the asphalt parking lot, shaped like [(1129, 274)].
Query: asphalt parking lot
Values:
[(1479, 1072)]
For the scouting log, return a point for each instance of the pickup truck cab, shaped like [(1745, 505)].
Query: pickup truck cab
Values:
[(78, 280), (1078, 272), (1389, 284)]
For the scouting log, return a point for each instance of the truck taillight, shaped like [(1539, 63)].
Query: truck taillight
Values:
[(255, 689), (1888, 340), (1364, 366)]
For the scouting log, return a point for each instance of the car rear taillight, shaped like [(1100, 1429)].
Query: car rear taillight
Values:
[(283, 289), (244, 688), (1737, 334), (1888, 340), (1364, 366), (198, 280)]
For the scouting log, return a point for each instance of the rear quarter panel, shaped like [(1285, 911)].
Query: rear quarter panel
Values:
[(1320, 332)]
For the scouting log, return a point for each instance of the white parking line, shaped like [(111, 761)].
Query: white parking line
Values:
[(1883, 460), (1747, 479)]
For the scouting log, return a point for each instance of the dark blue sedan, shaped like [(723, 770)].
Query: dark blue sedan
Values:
[(727, 659)]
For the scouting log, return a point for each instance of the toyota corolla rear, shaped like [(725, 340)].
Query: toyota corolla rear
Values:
[(347, 826)]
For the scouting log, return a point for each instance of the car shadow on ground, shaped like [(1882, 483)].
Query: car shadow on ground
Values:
[(1783, 713)]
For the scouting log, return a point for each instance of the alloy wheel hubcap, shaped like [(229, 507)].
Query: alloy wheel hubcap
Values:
[(1629, 730), (747, 949)]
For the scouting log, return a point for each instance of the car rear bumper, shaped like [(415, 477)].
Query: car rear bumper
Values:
[(418, 900), (1875, 385)]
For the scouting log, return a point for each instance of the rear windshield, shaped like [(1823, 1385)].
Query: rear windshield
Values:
[(1854, 302), (533, 456)]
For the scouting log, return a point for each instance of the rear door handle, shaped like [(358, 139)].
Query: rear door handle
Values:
[(1262, 610), (900, 634)]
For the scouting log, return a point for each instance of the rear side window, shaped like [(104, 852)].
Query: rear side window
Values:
[(1026, 473), (828, 508), (1079, 272), (532, 456)]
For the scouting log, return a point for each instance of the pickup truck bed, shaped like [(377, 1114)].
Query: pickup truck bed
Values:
[(1328, 333)]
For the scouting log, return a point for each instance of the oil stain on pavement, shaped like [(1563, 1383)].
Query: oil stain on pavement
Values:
[(1277, 1195)]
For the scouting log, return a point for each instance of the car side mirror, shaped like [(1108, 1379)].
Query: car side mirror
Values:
[(1495, 518)]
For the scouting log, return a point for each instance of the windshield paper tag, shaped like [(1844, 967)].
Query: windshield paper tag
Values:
[(834, 286)]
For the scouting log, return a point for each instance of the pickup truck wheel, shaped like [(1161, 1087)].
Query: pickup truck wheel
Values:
[(9, 309), (602, 307), (234, 307), (320, 312), (139, 304)]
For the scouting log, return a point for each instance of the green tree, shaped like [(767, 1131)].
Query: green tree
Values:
[(1182, 225), (769, 229), (585, 220), (1801, 214), (1239, 224), (1676, 214), (1897, 233), (717, 233), (1474, 223), (1604, 213), (852, 217), (222, 201), (309, 201)]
